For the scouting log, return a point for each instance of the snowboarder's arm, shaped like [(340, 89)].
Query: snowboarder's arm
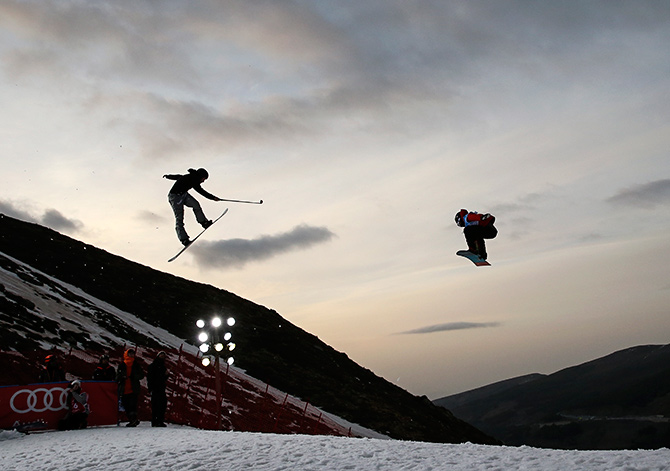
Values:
[(172, 176), (477, 219)]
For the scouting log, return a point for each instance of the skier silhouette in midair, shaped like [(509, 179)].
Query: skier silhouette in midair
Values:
[(179, 197)]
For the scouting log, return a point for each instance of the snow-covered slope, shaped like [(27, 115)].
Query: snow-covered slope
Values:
[(180, 448), (34, 305), (56, 307)]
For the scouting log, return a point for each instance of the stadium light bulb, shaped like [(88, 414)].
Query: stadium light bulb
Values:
[(218, 347), (204, 348), (231, 321), (227, 336), (231, 360), (216, 322), (206, 361), (203, 337), (231, 346), (200, 323)]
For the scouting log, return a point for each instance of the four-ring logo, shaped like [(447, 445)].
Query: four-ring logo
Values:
[(38, 400)]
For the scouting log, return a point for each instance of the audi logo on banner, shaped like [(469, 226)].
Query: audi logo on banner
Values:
[(38, 400)]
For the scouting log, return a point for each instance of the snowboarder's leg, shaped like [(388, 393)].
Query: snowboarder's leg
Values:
[(193, 203), (481, 248), (177, 203), (472, 237), (475, 236), (489, 232)]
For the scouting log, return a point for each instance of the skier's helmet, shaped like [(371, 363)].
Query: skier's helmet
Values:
[(202, 173)]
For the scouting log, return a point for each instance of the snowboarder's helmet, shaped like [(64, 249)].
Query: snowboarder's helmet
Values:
[(75, 384), (202, 173), (459, 217)]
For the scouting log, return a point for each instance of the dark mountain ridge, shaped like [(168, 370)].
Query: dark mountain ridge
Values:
[(618, 401), (269, 347)]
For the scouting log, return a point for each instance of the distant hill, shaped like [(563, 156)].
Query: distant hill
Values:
[(270, 348), (616, 402)]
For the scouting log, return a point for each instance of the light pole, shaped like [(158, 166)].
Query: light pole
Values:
[(211, 342)]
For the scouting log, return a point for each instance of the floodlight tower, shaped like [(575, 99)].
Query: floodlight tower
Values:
[(210, 341)]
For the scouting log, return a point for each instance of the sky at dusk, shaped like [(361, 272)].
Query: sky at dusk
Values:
[(364, 126)]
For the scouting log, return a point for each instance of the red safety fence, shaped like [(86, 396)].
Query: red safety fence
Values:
[(45, 404), (247, 404)]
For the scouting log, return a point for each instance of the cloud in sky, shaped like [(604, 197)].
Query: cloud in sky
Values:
[(150, 217), (450, 326), (55, 220), (238, 252), (51, 218), (291, 67), (645, 195), (10, 209)]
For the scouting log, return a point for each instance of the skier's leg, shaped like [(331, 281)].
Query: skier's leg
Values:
[(193, 203), (177, 203)]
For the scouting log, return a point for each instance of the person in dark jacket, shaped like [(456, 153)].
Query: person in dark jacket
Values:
[(128, 376), (477, 227), (104, 371), (180, 197), (157, 376), (52, 370), (77, 408)]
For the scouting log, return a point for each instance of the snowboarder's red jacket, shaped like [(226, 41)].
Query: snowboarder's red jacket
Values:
[(476, 219)]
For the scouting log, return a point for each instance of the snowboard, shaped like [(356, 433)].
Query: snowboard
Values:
[(26, 428), (474, 258), (196, 237)]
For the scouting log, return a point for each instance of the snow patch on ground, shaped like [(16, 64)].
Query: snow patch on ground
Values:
[(182, 448)]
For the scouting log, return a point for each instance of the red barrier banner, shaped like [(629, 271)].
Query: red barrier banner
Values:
[(46, 404)]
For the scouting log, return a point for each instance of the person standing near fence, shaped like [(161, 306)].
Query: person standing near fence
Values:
[(52, 369), (157, 382), (128, 376), (104, 371)]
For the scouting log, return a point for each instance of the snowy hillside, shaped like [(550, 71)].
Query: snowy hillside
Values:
[(56, 314), (79, 297), (37, 306), (180, 448)]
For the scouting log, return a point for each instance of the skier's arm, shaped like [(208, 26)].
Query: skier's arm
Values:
[(206, 194), (172, 177)]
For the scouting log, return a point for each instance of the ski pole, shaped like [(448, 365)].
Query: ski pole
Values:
[(242, 201)]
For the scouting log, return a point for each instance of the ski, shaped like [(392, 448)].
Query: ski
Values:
[(196, 237)]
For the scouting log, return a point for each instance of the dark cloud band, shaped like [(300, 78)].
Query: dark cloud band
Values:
[(648, 195), (238, 252), (450, 326)]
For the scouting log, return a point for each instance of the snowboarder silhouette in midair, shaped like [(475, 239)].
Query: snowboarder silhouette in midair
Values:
[(179, 197), (477, 227)]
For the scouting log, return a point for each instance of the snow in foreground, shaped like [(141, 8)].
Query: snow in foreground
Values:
[(181, 448)]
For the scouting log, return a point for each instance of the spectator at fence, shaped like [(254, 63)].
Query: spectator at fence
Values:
[(128, 376), (157, 381), (76, 416), (104, 371), (52, 370)]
